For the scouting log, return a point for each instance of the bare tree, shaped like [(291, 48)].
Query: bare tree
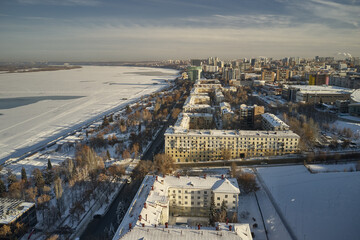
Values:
[(247, 182), (164, 164)]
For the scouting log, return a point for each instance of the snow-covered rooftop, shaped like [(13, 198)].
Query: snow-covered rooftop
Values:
[(11, 209), (274, 120), (320, 89), (355, 96), (241, 232), (152, 198), (234, 133)]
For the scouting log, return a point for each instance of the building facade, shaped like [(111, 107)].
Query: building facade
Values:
[(208, 145)]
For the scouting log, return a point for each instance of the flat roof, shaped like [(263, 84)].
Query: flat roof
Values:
[(230, 133), (240, 232), (11, 209)]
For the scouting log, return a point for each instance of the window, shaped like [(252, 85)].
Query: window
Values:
[(218, 204), (179, 202), (226, 196), (205, 192), (185, 202), (179, 191), (173, 191), (218, 198), (192, 203), (186, 197), (179, 196), (199, 197)]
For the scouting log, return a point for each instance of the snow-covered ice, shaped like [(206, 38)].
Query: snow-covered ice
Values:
[(37, 107), (316, 206)]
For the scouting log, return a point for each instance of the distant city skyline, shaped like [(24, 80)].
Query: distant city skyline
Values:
[(110, 30)]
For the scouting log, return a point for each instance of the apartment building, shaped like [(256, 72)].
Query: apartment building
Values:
[(192, 196), (198, 104), (181, 200), (268, 76), (273, 123), (249, 115), (185, 145)]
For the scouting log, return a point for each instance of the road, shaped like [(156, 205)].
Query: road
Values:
[(100, 227), (332, 157), (158, 143)]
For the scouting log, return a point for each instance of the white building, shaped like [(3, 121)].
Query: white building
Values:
[(273, 123), (160, 201)]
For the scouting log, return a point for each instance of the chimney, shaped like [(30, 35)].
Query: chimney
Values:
[(145, 217), (166, 225), (230, 227), (198, 226), (143, 225), (162, 181), (156, 177), (222, 176), (205, 176), (152, 188), (144, 205), (139, 217), (178, 175), (227, 221), (129, 226), (217, 228)]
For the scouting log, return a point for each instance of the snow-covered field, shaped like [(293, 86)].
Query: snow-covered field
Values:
[(355, 127), (37, 107), (316, 206)]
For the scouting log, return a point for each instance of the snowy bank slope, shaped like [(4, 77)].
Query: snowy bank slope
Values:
[(39, 106), (316, 206)]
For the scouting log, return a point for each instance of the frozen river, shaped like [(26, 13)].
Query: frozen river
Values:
[(36, 107)]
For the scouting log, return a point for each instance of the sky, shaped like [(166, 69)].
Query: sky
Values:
[(135, 30)]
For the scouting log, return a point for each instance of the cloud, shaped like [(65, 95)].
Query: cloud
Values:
[(136, 42), (348, 14), (239, 21), (61, 2)]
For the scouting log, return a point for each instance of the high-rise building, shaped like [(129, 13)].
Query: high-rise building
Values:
[(194, 73)]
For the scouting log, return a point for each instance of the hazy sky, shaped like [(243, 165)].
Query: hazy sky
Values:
[(110, 30)]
